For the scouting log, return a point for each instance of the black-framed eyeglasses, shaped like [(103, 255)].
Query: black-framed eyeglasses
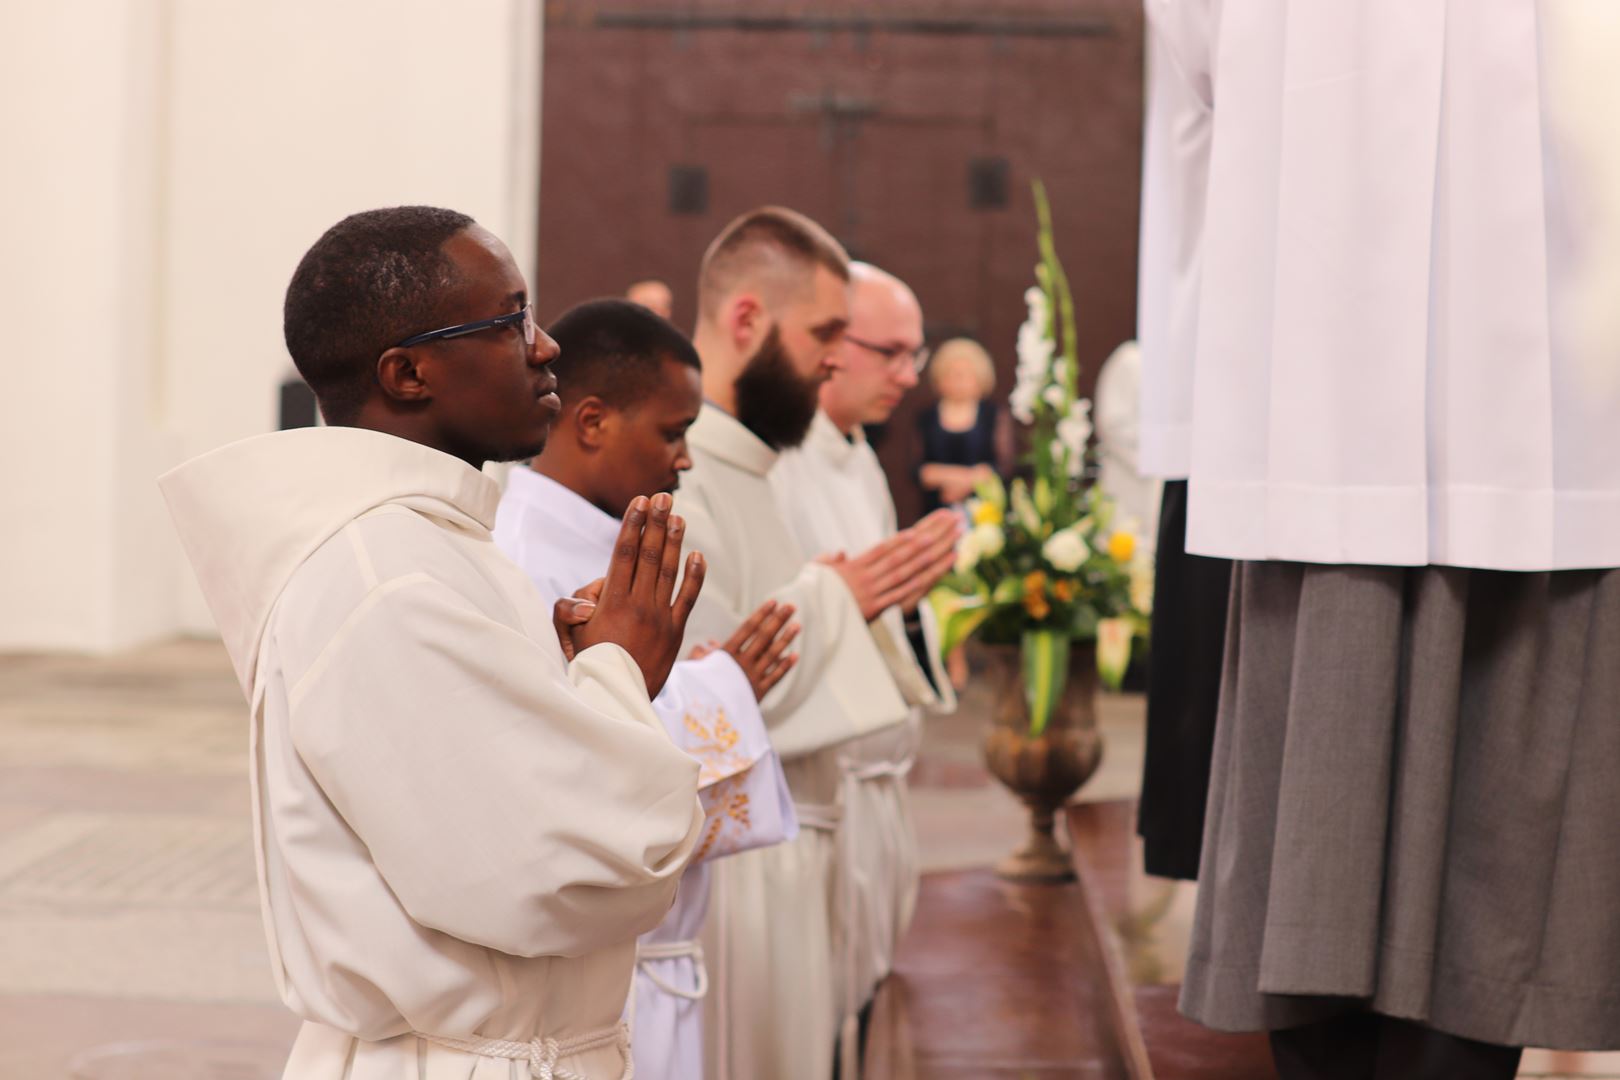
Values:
[(523, 319), (894, 355)]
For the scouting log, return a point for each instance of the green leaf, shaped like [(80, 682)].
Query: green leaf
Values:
[(958, 615), (1045, 655), (1007, 591), (1113, 650)]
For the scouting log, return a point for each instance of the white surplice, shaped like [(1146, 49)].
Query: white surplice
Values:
[(562, 542), (1177, 127), (769, 938), (459, 834), (835, 498), (1406, 334)]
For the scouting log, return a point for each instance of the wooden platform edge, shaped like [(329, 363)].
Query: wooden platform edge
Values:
[(1122, 1016)]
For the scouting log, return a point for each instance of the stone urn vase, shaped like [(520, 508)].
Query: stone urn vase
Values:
[(1043, 761)]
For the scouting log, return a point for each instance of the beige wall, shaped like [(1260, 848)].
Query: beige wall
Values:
[(169, 162)]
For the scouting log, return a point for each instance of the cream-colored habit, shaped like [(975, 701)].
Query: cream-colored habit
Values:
[(834, 495), (769, 938), (459, 834)]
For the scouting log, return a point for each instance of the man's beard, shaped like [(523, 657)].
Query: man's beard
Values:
[(774, 401)]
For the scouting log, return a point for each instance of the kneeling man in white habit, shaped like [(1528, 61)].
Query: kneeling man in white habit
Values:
[(630, 388), (460, 832), (835, 498), (772, 307)]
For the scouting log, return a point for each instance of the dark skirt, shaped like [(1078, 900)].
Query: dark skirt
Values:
[(1184, 682), (1416, 804)]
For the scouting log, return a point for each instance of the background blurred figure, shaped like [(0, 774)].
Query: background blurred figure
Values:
[(653, 295), (965, 435), (1118, 415)]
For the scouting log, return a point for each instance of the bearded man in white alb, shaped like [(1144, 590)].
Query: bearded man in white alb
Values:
[(459, 832), (772, 308), (836, 499)]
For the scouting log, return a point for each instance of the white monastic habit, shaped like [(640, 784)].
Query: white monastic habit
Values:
[(1410, 215), (459, 833), (769, 939), (835, 498), (563, 542), (1117, 413)]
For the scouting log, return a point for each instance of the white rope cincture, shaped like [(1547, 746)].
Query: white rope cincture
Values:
[(543, 1054), (674, 950), (823, 817)]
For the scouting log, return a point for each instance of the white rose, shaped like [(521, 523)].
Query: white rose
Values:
[(1142, 581), (1065, 550), (989, 539), (967, 554)]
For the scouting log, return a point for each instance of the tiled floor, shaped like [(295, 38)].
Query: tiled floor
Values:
[(130, 942)]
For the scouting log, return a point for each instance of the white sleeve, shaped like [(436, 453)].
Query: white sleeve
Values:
[(1175, 167), (507, 800), (840, 688), (708, 708)]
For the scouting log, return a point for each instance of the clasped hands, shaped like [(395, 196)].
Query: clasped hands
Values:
[(902, 569), (637, 607)]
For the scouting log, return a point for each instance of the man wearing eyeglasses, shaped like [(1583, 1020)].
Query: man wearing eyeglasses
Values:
[(835, 498), (461, 826)]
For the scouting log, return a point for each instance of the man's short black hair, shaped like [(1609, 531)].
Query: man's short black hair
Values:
[(371, 281), (614, 349)]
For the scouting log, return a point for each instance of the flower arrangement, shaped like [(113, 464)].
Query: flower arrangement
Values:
[(1046, 564)]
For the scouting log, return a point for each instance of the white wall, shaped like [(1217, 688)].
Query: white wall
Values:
[(176, 158)]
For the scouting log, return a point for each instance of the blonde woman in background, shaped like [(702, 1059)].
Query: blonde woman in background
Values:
[(966, 438), (965, 435)]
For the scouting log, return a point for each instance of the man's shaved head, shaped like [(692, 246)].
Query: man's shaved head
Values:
[(772, 250), (880, 351)]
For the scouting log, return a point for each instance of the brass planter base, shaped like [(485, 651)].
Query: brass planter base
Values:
[(1041, 858), (1044, 771)]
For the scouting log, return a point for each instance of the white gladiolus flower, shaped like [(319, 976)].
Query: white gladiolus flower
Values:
[(1035, 300), (1053, 396), (1073, 431), (1065, 550)]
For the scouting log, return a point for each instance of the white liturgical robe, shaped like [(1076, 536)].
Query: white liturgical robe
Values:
[(1406, 333), (834, 497), (769, 939), (459, 834), (1176, 131), (563, 542)]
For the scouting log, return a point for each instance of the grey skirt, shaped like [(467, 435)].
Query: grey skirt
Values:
[(1415, 804)]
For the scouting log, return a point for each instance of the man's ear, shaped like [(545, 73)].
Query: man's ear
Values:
[(400, 378), (746, 322), (594, 421)]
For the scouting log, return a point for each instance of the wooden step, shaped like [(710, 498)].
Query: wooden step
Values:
[(997, 979)]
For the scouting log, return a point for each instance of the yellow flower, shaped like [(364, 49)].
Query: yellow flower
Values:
[(987, 513), (1035, 595), (1122, 545)]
